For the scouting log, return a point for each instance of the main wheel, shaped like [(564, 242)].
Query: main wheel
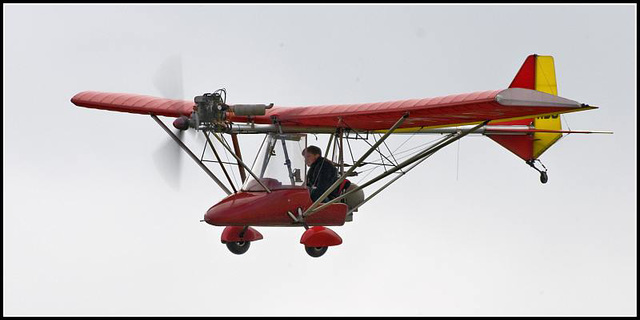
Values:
[(316, 251), (238, 247)]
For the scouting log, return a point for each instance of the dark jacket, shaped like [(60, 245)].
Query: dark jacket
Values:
[(322, 174)]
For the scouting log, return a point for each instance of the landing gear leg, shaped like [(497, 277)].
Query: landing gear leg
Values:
[(543, 173)]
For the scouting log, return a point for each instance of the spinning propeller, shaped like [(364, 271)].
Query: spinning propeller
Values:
[(211, 114), (168, 80)]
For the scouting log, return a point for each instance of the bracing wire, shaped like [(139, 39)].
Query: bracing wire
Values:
[(377, 149), (365, 140), (458, 161), (402, 144), (370, 171), (228, 160), (390, 153), (417, 147)]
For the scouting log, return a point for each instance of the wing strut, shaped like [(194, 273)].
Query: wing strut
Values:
[(352, 168), (193, 156), (415, 160)]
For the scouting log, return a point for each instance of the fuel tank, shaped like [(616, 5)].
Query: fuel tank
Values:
[(249, 208)]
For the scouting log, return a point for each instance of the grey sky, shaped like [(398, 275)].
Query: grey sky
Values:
[(91, 227)]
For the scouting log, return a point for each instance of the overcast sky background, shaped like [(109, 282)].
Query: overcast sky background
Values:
[(91, 227)]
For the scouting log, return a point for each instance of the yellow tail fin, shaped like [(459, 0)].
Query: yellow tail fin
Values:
[(545, 81)]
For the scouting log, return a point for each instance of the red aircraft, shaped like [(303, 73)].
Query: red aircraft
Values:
[(524, 118)]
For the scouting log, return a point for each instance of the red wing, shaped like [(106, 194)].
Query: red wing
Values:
[(444, 111), (133, 103)]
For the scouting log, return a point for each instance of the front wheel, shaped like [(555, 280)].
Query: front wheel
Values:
[(316, 251), (238, 247)]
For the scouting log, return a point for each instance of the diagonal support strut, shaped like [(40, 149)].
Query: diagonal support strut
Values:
[(419, 157), (193, 156), (354, 166), (241, 162)]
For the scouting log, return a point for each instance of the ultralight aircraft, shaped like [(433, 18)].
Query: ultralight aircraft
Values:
[(524, 118)]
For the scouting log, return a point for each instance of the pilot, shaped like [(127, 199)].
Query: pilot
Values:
[(322, 173)]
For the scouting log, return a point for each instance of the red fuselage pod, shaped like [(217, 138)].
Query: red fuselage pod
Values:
[(248, 208)]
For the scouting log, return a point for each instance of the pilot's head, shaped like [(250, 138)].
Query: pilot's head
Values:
[(311, 154)]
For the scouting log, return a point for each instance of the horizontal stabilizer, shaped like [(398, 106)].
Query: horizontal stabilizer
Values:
[(537, 74)]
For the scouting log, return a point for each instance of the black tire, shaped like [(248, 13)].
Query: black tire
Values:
[(316, 251), (238, 247), (544, 177)]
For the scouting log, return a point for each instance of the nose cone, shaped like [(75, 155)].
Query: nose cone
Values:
[(229, 211), (258, 208)]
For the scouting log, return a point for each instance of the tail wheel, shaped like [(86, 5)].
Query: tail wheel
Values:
[(238, 247), (316, 251), (544, 177)]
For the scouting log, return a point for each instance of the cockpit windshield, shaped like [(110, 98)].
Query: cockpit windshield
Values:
[(279, 163)]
